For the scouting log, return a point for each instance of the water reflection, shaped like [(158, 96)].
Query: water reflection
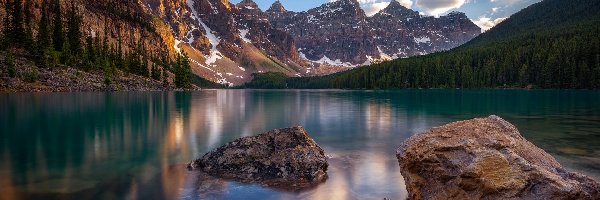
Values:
[(135, 145)]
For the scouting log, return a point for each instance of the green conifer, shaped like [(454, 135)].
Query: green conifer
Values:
[(58, 37)]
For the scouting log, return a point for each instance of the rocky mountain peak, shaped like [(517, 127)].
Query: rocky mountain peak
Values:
[(395, 9), (457, 14), (348, 2), (340, 10), (339, 33), (346, 5), (247, 4), (277, 7), (394, 4)]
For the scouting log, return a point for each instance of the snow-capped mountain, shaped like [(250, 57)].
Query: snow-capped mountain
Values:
[(227, 43), (340, 33)]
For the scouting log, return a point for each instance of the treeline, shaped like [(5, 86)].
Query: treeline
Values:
[(271, 80), (555, 58), (59, 42)]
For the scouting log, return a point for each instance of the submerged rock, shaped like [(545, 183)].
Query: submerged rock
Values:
[(486, 158), (285, 158)]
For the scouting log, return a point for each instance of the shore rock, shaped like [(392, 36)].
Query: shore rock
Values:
[(486, 158), (285, 158)]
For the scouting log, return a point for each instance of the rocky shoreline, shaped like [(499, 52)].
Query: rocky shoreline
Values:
[(68, 79)]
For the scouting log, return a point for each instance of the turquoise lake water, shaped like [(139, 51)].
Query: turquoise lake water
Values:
[(135, 145)]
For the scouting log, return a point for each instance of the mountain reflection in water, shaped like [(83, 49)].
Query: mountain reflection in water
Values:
[(135, 145)]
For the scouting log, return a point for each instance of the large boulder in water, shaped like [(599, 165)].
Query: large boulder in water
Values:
[(285, 158), (486, 158)]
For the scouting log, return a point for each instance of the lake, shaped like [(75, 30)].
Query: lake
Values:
[(134, 145)]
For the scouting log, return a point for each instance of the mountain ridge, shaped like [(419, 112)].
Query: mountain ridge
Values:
[(227, 43), (340, 33)]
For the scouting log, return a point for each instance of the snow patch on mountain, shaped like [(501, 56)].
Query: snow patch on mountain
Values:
[(423, 39), (243, 34), (212, 38), (177, 42), (383, 55)]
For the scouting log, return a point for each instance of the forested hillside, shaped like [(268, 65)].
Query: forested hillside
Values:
[(551, 44), (35, 50)]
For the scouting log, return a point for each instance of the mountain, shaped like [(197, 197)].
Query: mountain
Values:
[(227, 43), (340, 33), (550, 44)]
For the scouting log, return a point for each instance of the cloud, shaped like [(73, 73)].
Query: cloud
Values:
[(371, 7), (495, 10), (437, 7), (486, 23), (505, 1)]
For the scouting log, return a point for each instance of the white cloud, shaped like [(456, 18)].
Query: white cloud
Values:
[(438, 7), (505, 1), (405, 3), (486, 23), (495, 10), (371, 7)]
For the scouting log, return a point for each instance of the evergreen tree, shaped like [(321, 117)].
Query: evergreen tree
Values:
[(165, 78), (108, 72), (43, 42), (144, 67), (183, 72), (73, 31), (27, 12), (43, 37), (90, 54), (523, 74), (14, 27), (58, 37), (29, 39), (119, 55), (155, 72), (10, 64), (6, 27), (596, 73), (66, 55)]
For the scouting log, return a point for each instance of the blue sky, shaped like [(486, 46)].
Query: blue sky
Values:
[(485, 13)]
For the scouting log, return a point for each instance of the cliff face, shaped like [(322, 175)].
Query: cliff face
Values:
[(340, 33)]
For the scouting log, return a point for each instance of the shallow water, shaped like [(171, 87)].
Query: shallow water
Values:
[(135, 145)]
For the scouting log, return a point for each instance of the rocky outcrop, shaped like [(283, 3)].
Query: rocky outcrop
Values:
[(486, 158), (285, 158)]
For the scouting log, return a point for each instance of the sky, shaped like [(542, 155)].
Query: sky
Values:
[(485, 13)]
